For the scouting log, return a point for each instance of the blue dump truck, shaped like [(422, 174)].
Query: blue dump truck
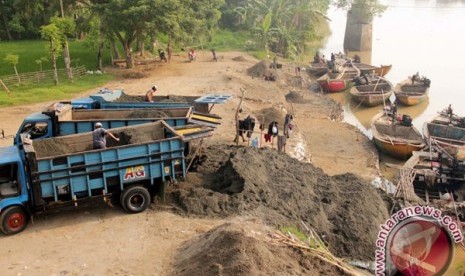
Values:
[(114, 99), (62, 119), (54, 173)]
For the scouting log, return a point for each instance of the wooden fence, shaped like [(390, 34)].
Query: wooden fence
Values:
[(39, 76)]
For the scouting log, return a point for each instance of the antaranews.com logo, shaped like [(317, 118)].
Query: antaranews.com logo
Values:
[(416, 240)]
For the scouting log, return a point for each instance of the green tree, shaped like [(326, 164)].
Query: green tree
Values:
[(13, 60), (127, 19), (53, 34), (41, 61), (66, 27), (285, 26), (370, 7)]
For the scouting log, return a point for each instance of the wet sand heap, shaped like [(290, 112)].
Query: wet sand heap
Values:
[(242, 249), (282, 191)]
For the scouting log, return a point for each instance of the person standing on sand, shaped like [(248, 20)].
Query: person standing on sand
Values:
[(99, 137), (149, 95), (214, 55)]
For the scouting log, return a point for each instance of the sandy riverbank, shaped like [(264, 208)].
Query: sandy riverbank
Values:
[(319, 138)]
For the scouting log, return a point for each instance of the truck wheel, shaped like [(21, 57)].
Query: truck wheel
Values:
[(135, 199), (13, 220)]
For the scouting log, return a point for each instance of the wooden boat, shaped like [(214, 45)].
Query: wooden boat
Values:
[(382, 70), (370, 69), (411, 93), (317, 69), (372, 94), (446, 132), (395, 137), (336, 82)]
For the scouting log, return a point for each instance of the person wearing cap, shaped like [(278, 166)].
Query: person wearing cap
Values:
[(99, 137), (150, 93)]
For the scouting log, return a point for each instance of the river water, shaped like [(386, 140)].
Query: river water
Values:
[(425, 36)]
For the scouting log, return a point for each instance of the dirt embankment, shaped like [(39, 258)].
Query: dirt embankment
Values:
[(282, 191)]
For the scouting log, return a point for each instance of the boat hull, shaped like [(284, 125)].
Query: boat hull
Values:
[(383, 70), (411, 94), (372, 94), (333, 86), (446, 136), (397, 150), (411, 100), (395, 139)]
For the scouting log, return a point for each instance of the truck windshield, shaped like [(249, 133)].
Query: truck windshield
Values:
[(9, 180), (36, 129)]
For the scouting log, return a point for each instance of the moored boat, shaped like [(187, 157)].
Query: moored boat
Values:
[(395, 135), (412, 92), (446, 132), (317, 69), (372, 94), (382, 70), (336, 82)]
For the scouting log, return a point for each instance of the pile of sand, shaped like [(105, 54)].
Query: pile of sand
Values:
[(174, 99), (235, 249), (125, 98), (147, 113), (259, 70), (282, 191), (267, 115), (239, 58), (296, 97)]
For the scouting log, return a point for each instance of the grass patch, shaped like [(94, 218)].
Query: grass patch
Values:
[(28, 94), (295, 232), (31, 50)]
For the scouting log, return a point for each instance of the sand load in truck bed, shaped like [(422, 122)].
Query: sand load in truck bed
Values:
[(70, 144), (113, 114)]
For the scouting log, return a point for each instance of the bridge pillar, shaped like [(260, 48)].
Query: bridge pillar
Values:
[(359, 28)]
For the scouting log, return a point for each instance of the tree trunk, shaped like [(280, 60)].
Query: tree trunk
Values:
[(128, 53), (141, 47), (67, 60), (116, 51), (139, 43), (17, 75), (66, 57), (100, 56), (152, 43), (100, 51), (5, 22), (54, 63)]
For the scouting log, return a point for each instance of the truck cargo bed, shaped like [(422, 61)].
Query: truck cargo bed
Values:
[(68, 169)]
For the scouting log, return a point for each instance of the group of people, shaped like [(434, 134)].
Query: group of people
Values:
[(191, 54)]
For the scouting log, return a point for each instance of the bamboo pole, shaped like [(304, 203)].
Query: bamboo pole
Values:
[(4, 86), (236, 116)]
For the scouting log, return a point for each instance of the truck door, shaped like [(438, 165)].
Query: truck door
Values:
[(9, 182)]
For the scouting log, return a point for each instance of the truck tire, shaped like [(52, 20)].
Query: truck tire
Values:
[(135, 199), (13, 220)]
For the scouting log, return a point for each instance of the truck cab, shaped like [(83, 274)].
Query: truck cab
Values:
[(13, 191), (37, 126)]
